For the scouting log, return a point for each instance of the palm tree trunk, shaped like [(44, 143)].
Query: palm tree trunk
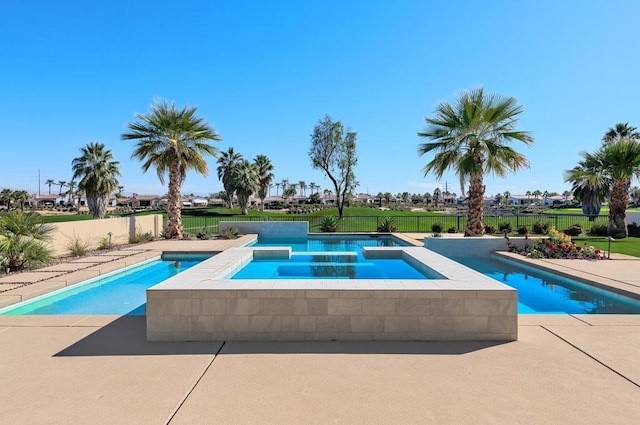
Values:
[(174, 212), (617, 209), (475, 225)]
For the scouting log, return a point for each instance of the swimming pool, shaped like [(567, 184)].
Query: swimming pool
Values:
[(332, 265), (336, 242), (122, 293), (541, 292)]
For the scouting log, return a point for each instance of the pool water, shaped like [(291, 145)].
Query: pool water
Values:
[(541, 292), (325, 265), (123, 293), (337, 243)]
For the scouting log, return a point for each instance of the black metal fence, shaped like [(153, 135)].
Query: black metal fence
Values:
[(413, 223)]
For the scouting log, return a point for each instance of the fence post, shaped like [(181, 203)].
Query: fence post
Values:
[(458, 226)]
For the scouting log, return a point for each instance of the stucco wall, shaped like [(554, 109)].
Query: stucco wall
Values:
[(471, 247), (633, 217), (92, 231)]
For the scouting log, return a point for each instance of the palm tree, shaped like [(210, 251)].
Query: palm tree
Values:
[(589, 184), (174, 142), (6, 195), (313, 186), (471, 139), (227, 161), (20, 197), (23, 241), (246, 181), (528, 195), (49, 182), (62, 184), (436, 196), (545, 195), (621, 131), (98, 173), (566, 195), (303, 187), (620, 160), (70, 192), (263, 168), (536, 194), (277, 185)]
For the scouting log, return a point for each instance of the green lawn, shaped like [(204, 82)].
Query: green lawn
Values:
[(628, 246)]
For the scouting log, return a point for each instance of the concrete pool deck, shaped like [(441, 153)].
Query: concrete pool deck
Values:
[(101, 370)]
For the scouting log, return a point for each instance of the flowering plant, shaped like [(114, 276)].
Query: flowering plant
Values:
[(557, 245)]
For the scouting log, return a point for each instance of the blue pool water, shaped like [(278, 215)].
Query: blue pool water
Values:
[(540, 292), (338, 243), (119, 294), (329, 266)]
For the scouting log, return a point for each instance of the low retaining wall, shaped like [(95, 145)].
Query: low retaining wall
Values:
[(270, 230), (471, 247), (92, 231)]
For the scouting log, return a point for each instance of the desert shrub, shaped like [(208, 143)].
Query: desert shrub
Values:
[(77, 246), (452, 230), (105, 243), (204, 234), (141, 237), (523, 230), (387, 225), (574, 230), (329, 224), (489, 229), (505, 227), (229, 233), (599, 228), (541, 227), (436, 228)]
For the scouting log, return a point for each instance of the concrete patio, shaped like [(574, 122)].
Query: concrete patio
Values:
[(101, 370)]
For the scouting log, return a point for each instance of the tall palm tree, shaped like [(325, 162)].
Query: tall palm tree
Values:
[(620, 160), (264, 169), (621, 131), (246, 182), (313, 186), (98, 173), (20, 197), (589, 184), (173, 141), (226, 162), (62, 184), (536, 194), (471, 139), (303, 187), (277, 185), (49, 182), (528, 195), (71, 192)]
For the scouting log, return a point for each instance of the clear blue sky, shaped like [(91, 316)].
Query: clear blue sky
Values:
[(264, 72)]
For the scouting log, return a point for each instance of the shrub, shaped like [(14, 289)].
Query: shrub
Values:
[(387, 225), (229, 233), (505, 227), (436, 228), (633, 229), (489, 229), (23, 239), (105, 243), (523, 230), (204, 234), (541, 227), (599, 228), (78, 247), (141, 237), (329, 224), (574, 230), (558, 245), (452, 230)]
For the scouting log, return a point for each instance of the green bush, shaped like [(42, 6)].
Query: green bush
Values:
[(329, 224), (505, 227), (633, 229), (387, 225), (574, 230), (203, 234), (452, 230), (489, 229), (436, 228), (523, 230), (23, 241), (599, 228), (541, 227)]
